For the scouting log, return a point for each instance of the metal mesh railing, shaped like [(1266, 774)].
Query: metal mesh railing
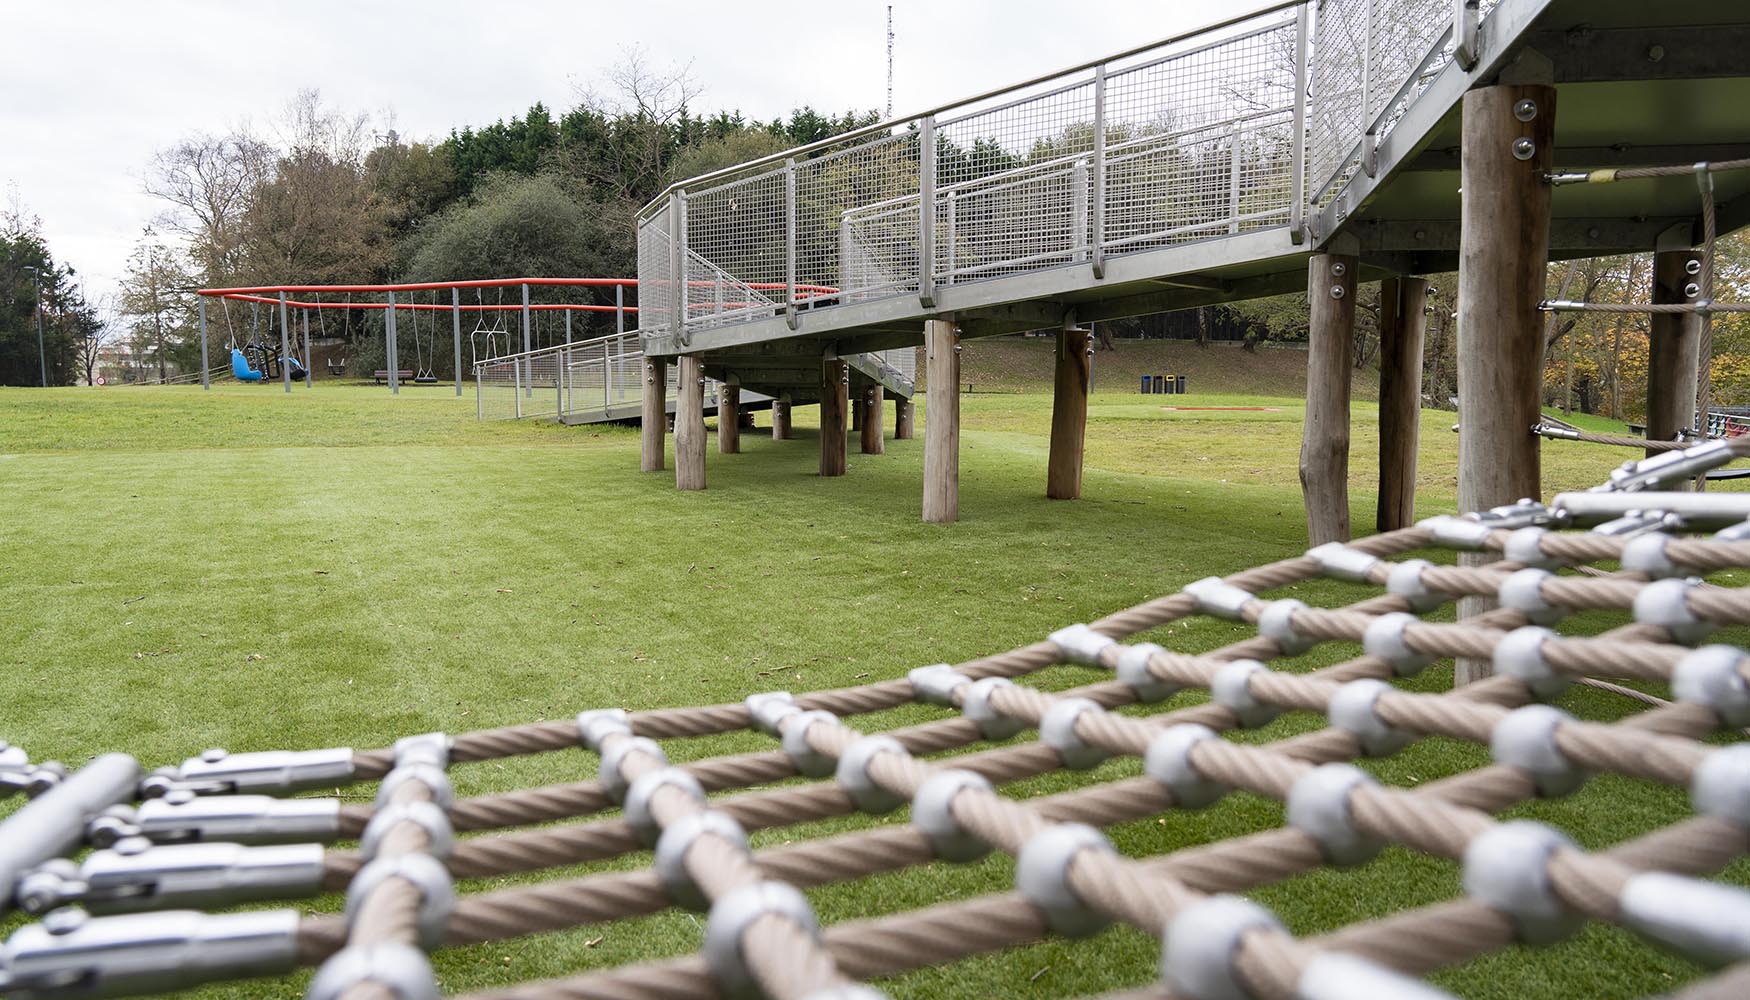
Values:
[(1199, 137)]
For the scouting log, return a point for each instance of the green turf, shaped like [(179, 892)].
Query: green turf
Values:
[(251, 570)]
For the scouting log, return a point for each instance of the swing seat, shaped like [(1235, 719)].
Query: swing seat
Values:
[(337, 367), (425, 378), (297, 368), (241, 370)]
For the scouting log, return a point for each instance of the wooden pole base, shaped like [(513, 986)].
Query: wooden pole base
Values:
[(1403, 320), (905, 419), (1069, 414), (689, 426), (942, 430), (653, 424), (1672, 351), (873, 403), (1330, 353), (781, 419), (835, 388), (729, 420)]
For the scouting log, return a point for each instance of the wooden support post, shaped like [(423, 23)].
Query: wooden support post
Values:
[(1403, 319), (905, 418), (857, 412), (1506, 149), (729, 418), (654, 422), (1672, 350), (689, 425), (835, 387), (942, 431), (1069, 413), (874, 405), (781, 418), (1330, 362)]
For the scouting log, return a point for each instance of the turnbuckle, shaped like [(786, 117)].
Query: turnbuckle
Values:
[(216, 772), (1668, 467), (135, 875), (183, 817), (71, 955)]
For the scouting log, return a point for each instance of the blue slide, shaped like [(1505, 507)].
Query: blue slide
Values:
[(240, 368)]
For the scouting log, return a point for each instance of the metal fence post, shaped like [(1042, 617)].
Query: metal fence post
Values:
[(677, 249), (392, 357), (285, 346), (927, 212), (529, 384), (1233, 181), (309, 369), (1078, 212), (516, 385), (206, 366), (456, 326), (619, 309), (562, 358), (1097, 251), (790, 243), (950, 226), (1297, 205), (1465, 49)]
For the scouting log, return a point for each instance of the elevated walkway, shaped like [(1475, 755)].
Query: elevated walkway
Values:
[(1201, 169)]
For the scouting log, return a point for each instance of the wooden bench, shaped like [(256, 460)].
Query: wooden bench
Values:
[(401, 375)]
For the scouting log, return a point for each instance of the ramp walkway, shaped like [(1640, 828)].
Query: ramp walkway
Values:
[(1203, 168)]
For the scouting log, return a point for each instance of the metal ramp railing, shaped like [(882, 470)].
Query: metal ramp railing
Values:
[(1245, 126), (592, 381)]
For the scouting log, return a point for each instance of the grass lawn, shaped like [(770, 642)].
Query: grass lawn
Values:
[(245, 569)]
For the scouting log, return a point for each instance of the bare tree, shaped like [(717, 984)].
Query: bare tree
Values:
[(647, 105), (94, 331), (208, 181)]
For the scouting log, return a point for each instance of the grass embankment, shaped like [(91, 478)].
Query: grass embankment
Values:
[(250, 570)]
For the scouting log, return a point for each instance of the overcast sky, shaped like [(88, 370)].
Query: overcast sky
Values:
[(89, 88)]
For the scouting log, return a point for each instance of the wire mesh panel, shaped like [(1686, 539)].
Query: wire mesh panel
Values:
[(1372, 59), (656, 272), (857, 219), (737, 258)]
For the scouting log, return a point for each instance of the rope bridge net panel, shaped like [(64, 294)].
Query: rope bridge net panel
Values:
[(147, 909)]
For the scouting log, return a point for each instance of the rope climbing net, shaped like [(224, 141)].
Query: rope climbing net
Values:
[(218, 830)]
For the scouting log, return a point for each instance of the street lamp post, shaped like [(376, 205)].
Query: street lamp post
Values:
[(42, 358)]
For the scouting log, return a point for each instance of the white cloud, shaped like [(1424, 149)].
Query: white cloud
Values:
[(92, 89)]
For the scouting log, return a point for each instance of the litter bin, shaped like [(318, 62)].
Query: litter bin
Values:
[(1179, 384), (1145, 384), (1160, 383), (1172, 384)]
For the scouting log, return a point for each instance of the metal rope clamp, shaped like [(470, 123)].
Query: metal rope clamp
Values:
[(1525, 738), (183, 817), (1384, 638), (137, 876), (852, 774), (1318, 806), (976, 706), (1525, 513), (1507, 868), (1666, 603), (808, 761), (72, 954), (1199, 945), (729, 920), (440, 836), (1721, 785), (1168, 762), (1057, 730), (1459, 532), (425, 748), (1715, 676), (437, 894), (1231, 689), (1081, 644), (1355, 710), (400, 969), (1525, 546), (613, 770), (1340, 562), (670, 860), (1523, 592), (643, 790), (1042, 875), (1277, 625), (216, 772), (1706, 921), (1133, 671), (932, 812), (1215, 596), (595, 726), (419, 772), (1520, 654), (1405, 581), (769, 710), (936, 684)]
